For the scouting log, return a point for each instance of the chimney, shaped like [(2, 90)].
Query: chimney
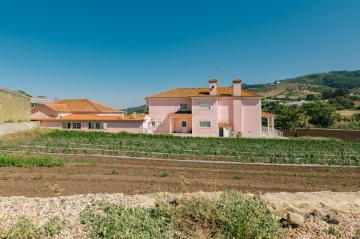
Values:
[(213, 84), (133, 115), (236, 87)]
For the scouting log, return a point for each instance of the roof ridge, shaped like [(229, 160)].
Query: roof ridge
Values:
[(93, 105)]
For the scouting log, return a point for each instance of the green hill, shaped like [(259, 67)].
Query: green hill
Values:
[(137, 109), (299, 87)]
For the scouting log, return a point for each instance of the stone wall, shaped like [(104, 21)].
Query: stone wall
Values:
[(342, 134), (10, 128)]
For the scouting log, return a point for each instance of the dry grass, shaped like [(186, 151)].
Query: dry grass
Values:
[(24, 136), (348, 113)]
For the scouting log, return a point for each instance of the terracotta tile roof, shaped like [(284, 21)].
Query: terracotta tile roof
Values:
[(94, 117), (224, 124), (267, 114), (198, 92), (80, 106)]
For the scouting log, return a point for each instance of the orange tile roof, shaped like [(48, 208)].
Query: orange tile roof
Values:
[(267, 114), (94, 117), (198, 92), (80, 106)]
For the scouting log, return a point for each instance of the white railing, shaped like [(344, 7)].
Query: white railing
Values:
[(271, 133)]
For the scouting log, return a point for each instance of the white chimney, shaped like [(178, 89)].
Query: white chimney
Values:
[(236, 87), (213, 85), (133, 115)]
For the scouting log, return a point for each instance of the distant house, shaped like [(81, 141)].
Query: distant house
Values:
[(14, 106), (36, 101), (209, 111), (84, 114)]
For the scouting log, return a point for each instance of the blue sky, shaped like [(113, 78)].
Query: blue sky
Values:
[(118, 52)]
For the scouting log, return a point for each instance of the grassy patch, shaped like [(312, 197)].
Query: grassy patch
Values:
[(238, 176), (24, 228), (115, 221), (18, 160), (333, 231), (231, 216), (113, 172), (163, 174)]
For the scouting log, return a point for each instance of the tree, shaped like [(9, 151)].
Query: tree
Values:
[(311, 97), (327, 94), (320, 113), (341, 92), (24, 93), (288, 117), (342, 102)]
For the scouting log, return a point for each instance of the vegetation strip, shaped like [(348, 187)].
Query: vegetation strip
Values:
[(17, 160), (275, 151), (183, 160)]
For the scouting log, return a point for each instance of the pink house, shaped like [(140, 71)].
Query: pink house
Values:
[(212, 111), (84, 114)]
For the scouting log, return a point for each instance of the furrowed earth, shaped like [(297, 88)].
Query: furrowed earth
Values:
[(83, 175)]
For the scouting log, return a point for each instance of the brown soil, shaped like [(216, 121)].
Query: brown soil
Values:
[(92, 175)]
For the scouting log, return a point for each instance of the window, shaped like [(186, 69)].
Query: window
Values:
[(66, 125), (153, 123), (184, 106), (93, 125), (204, 124), (183, 123), (76, 125), (158, 123), (204, 106)]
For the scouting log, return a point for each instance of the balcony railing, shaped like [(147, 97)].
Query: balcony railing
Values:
[(271, 133)]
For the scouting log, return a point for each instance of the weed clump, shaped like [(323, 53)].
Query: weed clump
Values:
[(24, 228), (231, 216)]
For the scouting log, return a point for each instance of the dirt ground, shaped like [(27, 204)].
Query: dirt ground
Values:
[(107, 175)]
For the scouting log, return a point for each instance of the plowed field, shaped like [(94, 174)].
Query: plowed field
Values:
[(82, 175)]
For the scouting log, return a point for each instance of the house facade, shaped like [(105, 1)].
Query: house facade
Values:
[(84, 114), (212, 111)]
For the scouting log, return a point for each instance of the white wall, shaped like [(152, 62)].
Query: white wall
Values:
[(10, 128)]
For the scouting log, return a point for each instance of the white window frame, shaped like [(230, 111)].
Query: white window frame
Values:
[(66, 125), (95, 125), (184, 108), (153, 123), (158, 123), (204, 106), (75, 125), (205, 127)]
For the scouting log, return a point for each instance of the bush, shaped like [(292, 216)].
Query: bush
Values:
[(231, 216)]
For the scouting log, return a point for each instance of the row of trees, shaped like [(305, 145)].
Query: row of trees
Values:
[(339, 98), (317, 113)]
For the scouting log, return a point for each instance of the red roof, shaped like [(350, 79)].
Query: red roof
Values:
[(80, 106), (201, 92), (95, 117)]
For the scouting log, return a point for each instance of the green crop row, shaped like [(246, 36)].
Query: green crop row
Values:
[(294, 151)]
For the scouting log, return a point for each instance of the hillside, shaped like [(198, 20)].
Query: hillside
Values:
[(299, 87), (137, 109)]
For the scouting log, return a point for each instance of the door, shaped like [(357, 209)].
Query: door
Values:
[(221, 132), (183, 127)]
